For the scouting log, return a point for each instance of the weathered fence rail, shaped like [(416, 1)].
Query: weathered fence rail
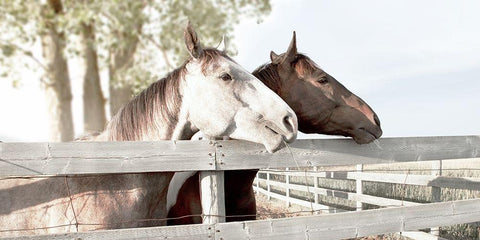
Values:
[(327, 226), (33, 159), (213, 157)]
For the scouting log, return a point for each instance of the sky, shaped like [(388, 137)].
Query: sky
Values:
[(416, 63)]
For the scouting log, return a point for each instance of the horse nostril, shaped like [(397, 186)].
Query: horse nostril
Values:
[(377, 121), (288, 122)]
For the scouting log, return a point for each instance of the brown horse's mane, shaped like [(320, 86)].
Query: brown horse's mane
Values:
[(160, 102), (268, 73)]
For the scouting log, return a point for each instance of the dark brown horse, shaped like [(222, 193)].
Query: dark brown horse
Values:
[(322, 104)]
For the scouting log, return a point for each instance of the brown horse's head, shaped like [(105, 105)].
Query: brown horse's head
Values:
[(322, 104)]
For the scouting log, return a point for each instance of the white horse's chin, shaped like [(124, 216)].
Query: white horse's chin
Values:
[(272, 140), (273, 147)]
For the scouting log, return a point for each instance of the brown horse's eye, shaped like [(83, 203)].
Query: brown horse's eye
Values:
[(322, 80), (226, 77)]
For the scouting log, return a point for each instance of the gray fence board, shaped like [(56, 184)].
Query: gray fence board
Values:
[(18, 159), (128, 157), (194, 232), (325, 152)]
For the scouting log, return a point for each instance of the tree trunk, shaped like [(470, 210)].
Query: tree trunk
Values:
[(121, 58), (119, 96), (56, 80), (94, 117)]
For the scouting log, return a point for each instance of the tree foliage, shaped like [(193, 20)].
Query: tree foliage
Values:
[(152, 30), (117, 23)]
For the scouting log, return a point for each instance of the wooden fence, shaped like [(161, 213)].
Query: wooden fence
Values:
[(435, 181), (213, 157)]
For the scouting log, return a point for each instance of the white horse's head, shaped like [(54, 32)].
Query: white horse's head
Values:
[(210, 93), (223, 99)]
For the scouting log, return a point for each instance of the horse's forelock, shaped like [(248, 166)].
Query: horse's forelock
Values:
[(303, 65), (210, 57), (269, 75)]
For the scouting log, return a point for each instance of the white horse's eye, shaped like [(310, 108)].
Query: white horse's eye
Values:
[(226, 77)]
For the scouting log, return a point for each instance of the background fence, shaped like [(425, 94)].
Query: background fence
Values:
[(435, 181), (302, 187), (213, 157)]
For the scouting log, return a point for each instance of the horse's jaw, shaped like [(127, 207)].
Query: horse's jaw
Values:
[(184, 130), (267, 134), (364, 136)]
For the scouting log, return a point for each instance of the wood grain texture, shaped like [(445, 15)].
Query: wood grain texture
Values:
[(328, 152), (33, 159), (324, 226), (194, 232), (122, 157), (40, 159), (212, 195), (356, 224)]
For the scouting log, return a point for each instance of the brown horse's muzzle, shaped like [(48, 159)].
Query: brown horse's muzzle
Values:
[(351, 122)]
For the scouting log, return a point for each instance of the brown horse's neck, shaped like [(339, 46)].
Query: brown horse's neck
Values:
[(239, 196), (239, 199), (268, 74)]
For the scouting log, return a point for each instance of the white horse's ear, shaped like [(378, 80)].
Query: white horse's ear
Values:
[(223, 45), (192, 42)]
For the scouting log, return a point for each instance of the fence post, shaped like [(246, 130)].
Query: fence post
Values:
[(287, 187), (212, 196), (268, 186), (315, 184), (436, 191), (359, 187)]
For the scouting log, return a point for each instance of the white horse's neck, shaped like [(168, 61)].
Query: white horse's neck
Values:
[(153, 115)]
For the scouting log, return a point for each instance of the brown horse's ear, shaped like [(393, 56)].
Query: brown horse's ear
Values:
[(291, 53), (275, 58), (192, 42)]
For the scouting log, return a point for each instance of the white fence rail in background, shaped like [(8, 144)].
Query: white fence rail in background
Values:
[(45, 159), (434, 180)]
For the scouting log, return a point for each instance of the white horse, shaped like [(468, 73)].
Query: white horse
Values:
[(209, 92)]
